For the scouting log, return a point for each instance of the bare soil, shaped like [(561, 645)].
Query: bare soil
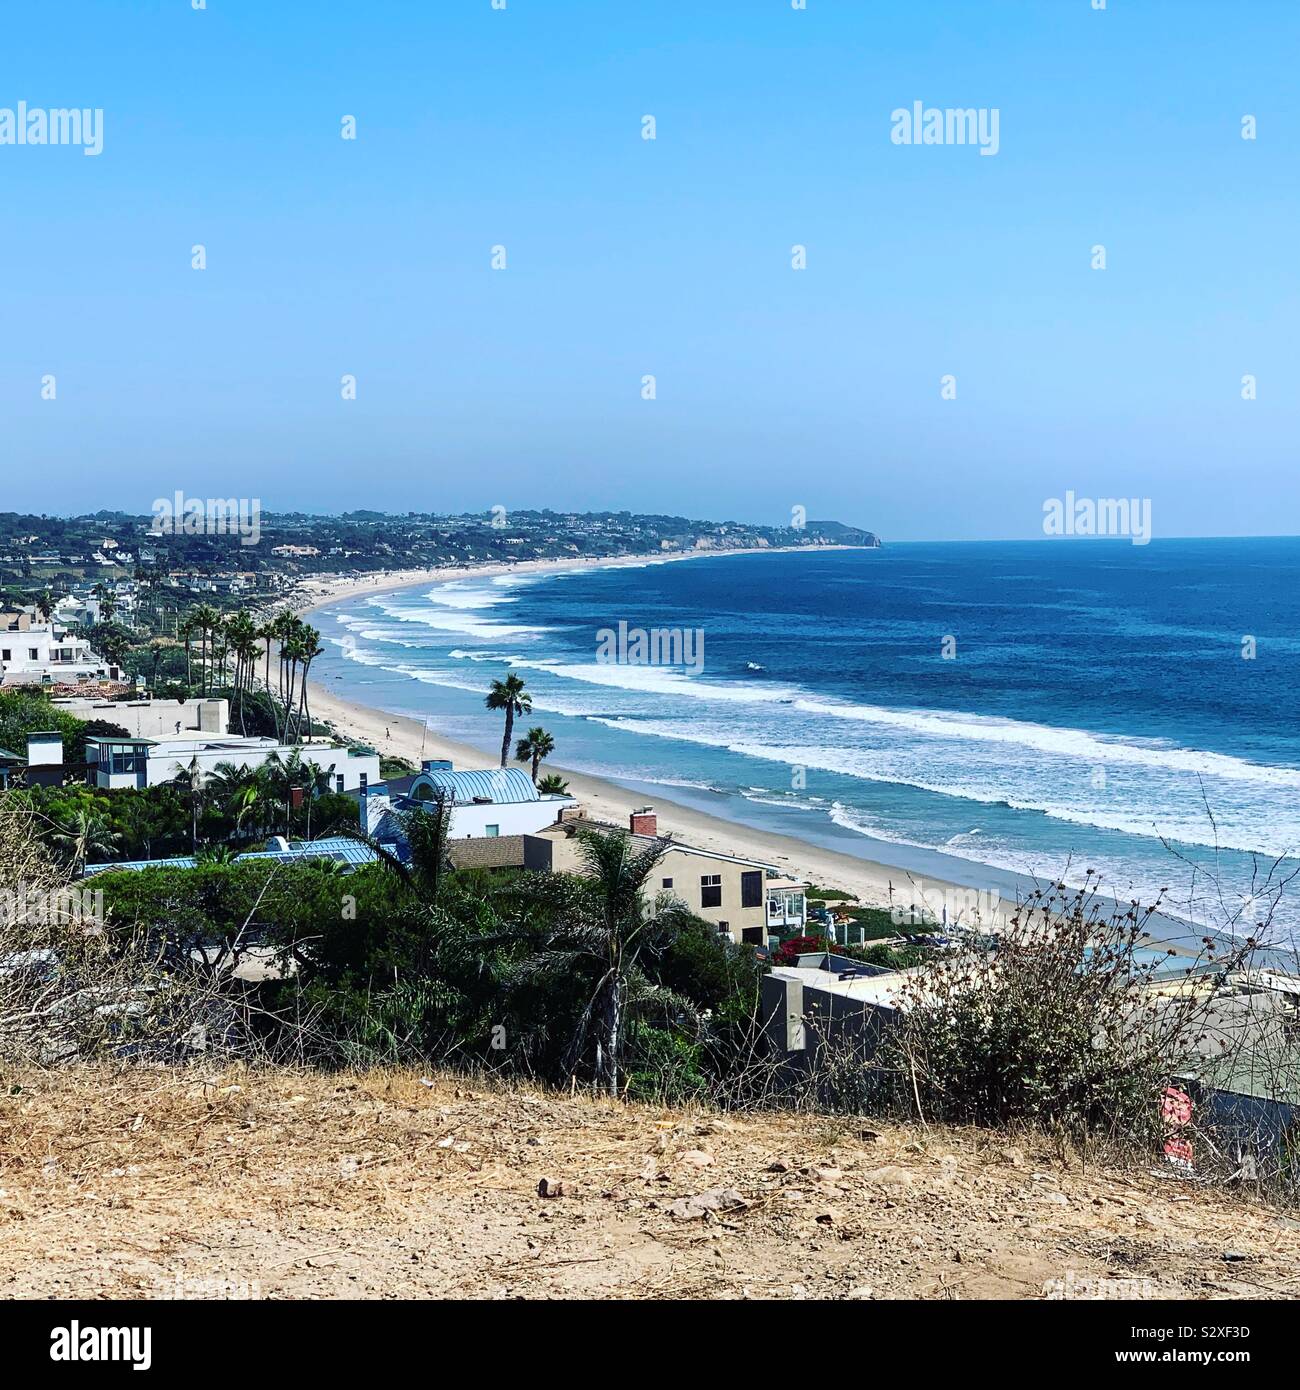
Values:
[(277, 1184)]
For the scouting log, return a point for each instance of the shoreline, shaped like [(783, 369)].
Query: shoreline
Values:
[(874, 882), (323, 590)]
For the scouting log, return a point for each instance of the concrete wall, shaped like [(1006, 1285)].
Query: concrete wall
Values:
[(803, 1020), (152, 718)]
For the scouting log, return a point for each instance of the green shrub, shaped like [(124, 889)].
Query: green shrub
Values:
[(663, 1066)]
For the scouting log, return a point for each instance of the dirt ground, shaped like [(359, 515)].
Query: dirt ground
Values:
[(156, 1184)]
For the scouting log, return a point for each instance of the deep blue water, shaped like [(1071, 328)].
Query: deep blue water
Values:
[(1095, 700)]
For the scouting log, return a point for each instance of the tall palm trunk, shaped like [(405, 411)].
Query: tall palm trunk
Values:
[(270, 700), (611, 1028), (510, 726), (306, 711)]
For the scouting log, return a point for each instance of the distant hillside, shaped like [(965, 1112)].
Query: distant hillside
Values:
[(56, 552), (841, 534)]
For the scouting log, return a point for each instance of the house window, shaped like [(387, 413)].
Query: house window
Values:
[(33, 653), (751, 889), (6, 654), (491, 830), (752, 936), (710, 890), (668, 883)]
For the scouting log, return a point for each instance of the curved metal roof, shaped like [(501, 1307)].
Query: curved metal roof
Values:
[(499, 784)]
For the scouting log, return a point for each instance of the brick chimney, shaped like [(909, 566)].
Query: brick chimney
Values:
[(644, 822)]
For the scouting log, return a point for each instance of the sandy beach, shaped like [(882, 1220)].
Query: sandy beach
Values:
[(872, 883)]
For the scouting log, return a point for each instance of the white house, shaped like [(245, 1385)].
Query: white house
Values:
[(146, 762), (498, 801), (46, 653)]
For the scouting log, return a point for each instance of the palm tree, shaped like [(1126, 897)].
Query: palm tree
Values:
[(308, 650), (315, 780), (155, 651), (287, 774), (510, 696), (538, 745), (216, 854), (45, 605), (426, 832), (107, 601), (553, 785), (86, 834), (206, 620), (242, 636), (266, 633), (290, 633), (185, 630), (192, 780), (604, 944), (244, 791), (114, 644)]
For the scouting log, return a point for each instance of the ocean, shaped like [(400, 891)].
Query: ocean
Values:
[(1044, 708)]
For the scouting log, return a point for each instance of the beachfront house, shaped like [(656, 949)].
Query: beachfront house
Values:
[(115, 762), (491, 803), (746, 899)]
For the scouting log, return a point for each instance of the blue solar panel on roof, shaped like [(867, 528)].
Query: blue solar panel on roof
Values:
[(339, 849)]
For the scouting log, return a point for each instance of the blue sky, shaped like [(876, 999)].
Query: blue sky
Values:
[(522, 127)]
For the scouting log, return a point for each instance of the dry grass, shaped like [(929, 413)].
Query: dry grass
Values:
[(154, 1182)]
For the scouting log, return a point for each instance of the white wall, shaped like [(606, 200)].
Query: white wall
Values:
[(512, 817)]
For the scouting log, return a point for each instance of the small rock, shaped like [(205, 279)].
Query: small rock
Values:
[(550, 1187), (890, 1177), (715, 1200), (697, 1158), (1015, 1157)]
